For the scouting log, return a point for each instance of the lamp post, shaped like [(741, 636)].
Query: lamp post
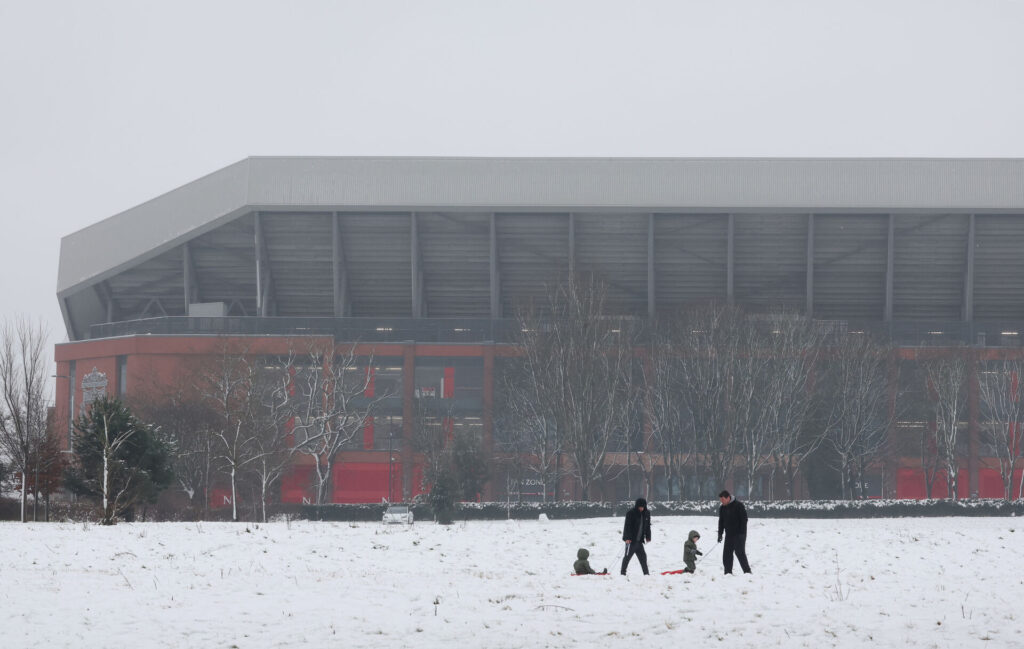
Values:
[(391, 461)]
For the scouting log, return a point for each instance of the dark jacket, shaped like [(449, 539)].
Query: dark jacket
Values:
[(634, 519), (732, 518), (690, 550), (582, 566)]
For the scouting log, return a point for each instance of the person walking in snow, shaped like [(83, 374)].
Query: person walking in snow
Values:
[(582, 565), (732, 520), (690, 552), (635, 533)]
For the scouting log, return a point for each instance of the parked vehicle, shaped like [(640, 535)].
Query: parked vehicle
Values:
[(398, 514)]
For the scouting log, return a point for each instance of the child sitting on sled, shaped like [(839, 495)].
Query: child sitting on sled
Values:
[(690, 552), (582, 566)]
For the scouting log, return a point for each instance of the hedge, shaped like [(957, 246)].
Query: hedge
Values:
[(776, 509), (9, 510)]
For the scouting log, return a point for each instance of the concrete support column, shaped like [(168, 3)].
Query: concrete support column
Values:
[(264, 280), (968, 306), (106, 297), (651, 308), (495, 270), (572, 243), (341, 302), (810, 265), (191, 285), (417, 269), (730, 260), (260, 270), (889, 257)]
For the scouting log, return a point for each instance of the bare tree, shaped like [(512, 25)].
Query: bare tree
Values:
[(947, 393), (1003, 400), (268, 418), (860, 414), (23, 372), (527, 429), (795, 347), (330, 406), (672, 432), (580, 363), (227, 388), (187, 422), (48, 463), (722, 370)]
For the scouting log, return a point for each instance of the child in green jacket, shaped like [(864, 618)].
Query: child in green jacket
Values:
[(690, 552), (582, 566)]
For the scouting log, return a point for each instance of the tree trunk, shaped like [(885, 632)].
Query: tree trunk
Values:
[(35, 494), (234, 499), (842, 480), (106, 488), (263, 498), (206, 480), (1007, 477), (24, 496)]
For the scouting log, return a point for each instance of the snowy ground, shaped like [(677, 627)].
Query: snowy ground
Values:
[(936, 582)]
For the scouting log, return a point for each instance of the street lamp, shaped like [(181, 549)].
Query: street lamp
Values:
[(391, 461)]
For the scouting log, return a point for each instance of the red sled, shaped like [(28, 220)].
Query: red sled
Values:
[(674, 572)]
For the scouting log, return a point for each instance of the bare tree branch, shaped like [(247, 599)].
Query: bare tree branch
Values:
[(23, 396)]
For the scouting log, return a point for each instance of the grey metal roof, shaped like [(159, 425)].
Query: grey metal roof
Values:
[(144, 238)]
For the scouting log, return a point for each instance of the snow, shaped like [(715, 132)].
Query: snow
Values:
[(909, 582)]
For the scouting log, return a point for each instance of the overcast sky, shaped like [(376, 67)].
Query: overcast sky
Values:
[(104, 105)]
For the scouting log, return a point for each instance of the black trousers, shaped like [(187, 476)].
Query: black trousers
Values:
[(735, 543), (641, 554)]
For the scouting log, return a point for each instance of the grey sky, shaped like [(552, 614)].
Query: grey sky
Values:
[(106, 104)]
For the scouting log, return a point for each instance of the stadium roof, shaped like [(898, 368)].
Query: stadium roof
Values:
[(370, 186)]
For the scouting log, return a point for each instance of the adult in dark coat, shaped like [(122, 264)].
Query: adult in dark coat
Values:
[(635, 533), (732, 519)]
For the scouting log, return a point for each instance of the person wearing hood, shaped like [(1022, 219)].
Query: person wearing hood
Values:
[(690, 552), (582, 565), (635, 533), (732, 520)]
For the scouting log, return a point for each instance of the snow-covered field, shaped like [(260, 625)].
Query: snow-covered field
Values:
[(936, 582)]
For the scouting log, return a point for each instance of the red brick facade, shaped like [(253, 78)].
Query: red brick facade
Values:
[(370, 473)]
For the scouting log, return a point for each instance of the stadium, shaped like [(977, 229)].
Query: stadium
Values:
[(423, 261)]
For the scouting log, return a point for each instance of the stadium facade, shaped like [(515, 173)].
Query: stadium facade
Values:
[(422, 261)]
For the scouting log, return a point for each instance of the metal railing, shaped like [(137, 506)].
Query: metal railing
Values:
[(904, 333), (423, 330)]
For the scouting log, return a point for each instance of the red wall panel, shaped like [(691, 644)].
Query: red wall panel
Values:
[(910, 483), (297, 485)]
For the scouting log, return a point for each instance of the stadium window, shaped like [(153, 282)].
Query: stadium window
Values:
[(451, 377)]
